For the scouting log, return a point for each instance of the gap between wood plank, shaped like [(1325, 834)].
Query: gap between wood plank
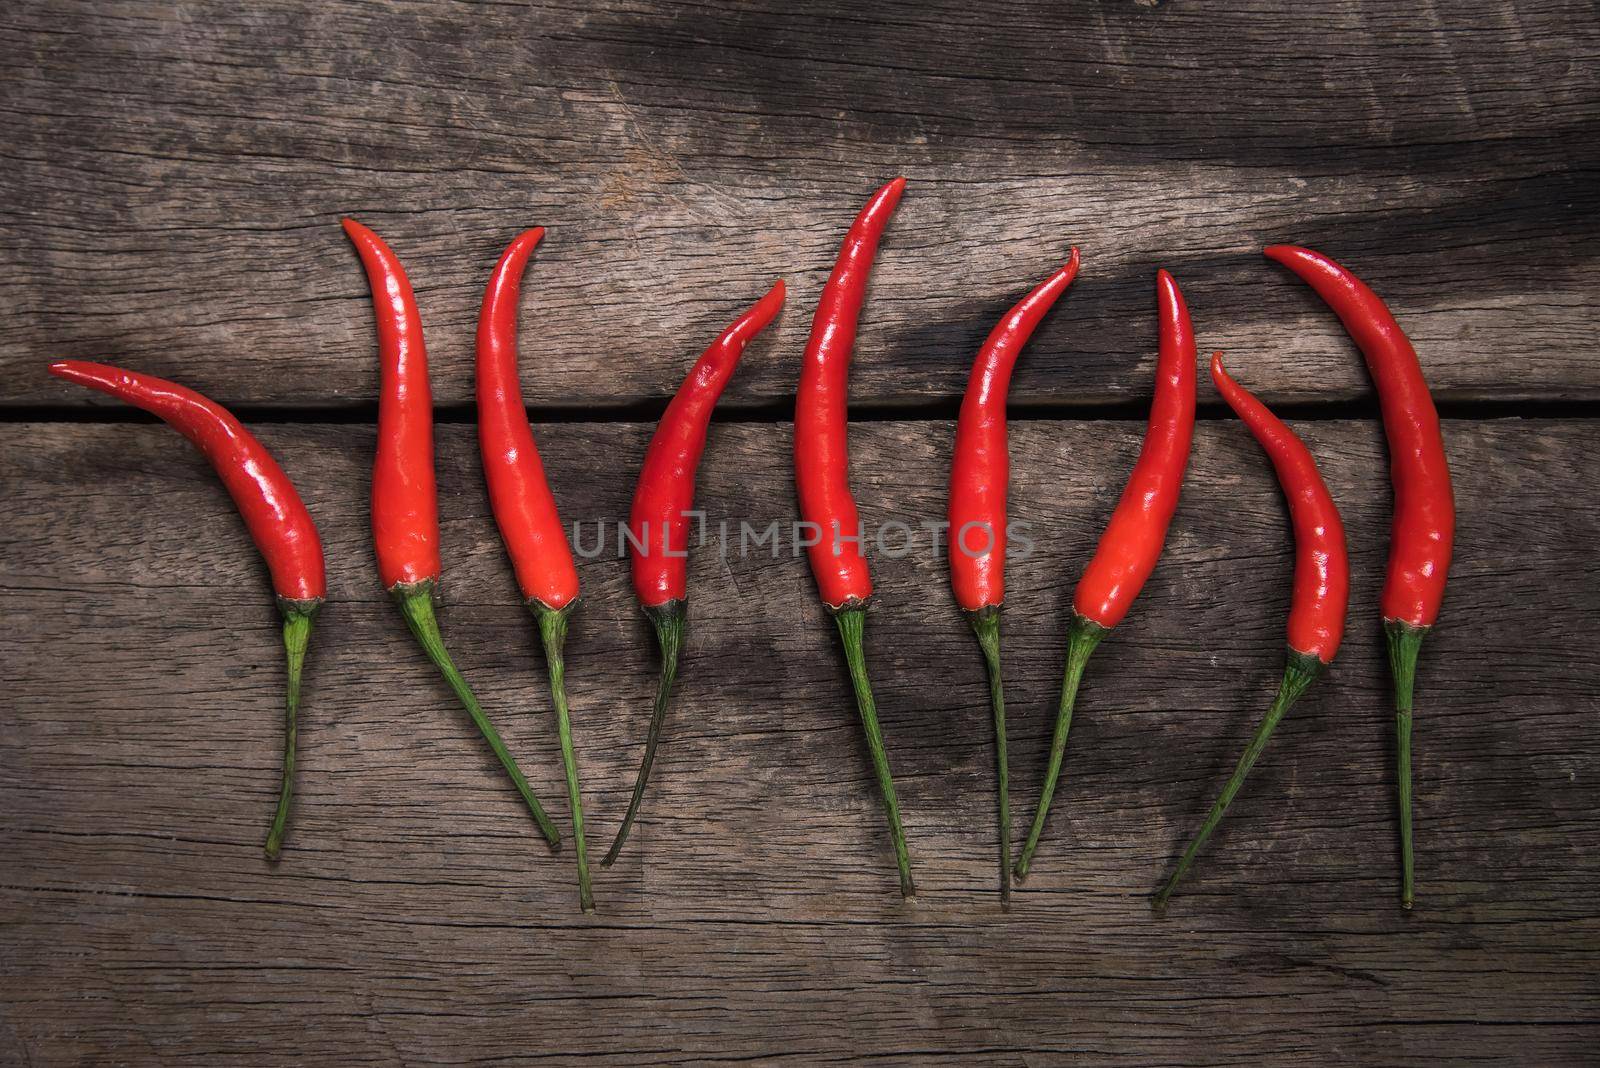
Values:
[(942, 409)]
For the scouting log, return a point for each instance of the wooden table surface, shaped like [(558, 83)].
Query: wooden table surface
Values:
[(174, 177)]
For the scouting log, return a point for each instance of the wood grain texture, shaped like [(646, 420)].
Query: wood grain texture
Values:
[(175, 174), (415, 919)]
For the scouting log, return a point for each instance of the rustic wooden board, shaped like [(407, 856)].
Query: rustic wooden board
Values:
[(175, 175), (415, 919)]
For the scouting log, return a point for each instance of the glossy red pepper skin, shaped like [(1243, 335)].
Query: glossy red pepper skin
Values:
[(273, 512), (1423, 532), (1321, 586), (979, 473), (822, 479), (665, 494), (405, 506), (405, 501), (524, 509), (277, 519), (821, 431), (1137, 532), (1133, 540), (659, 522), (1422, 536), (1321, 562), (980, 467)]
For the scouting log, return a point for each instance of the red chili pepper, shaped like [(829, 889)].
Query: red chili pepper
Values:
[(405, 507), (524, 509), (523, 506), (273, 513), (821, 466), (978, 481), (1321, 585), (1133, 540), (1423, 531), (661, 508)]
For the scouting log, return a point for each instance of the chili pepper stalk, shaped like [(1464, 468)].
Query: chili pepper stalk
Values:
[(1133, 539), (668, 622), (662, 506), (405, 503), (1422, 536), (416, 601), (851, 619), (1301, 671), (298, 617), (986, 627), (979, 474), (553, 636), (1404, 642), (822, 477), (525, 509), (272, 510), (1083, 637), (1321, 587)]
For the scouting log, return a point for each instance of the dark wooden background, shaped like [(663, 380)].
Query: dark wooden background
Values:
[(173, 178)]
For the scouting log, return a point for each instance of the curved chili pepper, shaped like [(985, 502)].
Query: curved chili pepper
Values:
[(405, 506), (979, 474), (1133, 540), (662, 505), (1423, 532), (277, 520), (822, 477), (1321, 586), (524, 509)]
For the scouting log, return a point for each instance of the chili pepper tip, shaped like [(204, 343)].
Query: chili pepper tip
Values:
[(517, 254), (887, 196), (777, 294), (82, 372), (759, 316)]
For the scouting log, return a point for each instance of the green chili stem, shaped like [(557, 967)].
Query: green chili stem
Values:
[(553, 633), (1404, 642), (986, 625), (1301, 670), (1082, 637), (416, 604), (852, 623), (297, 620), (668, 620)]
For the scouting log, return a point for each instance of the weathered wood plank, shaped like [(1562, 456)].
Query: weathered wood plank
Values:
[(415, 919), (175, 176)]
